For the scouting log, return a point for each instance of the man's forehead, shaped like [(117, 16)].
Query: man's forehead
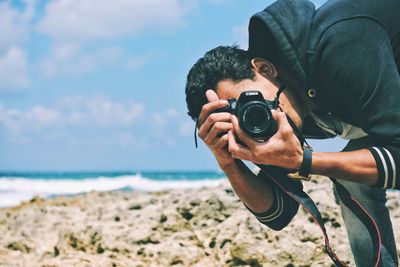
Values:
[(231, 89)]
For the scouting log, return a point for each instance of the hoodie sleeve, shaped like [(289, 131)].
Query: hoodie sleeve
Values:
[(284, 207), (357, 66)]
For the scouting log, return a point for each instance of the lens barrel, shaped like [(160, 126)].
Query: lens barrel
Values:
[(255, 118)]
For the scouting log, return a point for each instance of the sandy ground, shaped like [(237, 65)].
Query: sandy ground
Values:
[(198, 227)]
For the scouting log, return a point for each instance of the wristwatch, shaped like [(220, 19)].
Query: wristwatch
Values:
[(304, 172)]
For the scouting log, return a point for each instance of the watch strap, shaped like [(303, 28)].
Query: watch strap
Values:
[(304, 172), (305, 168)]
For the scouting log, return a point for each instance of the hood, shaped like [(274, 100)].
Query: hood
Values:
[(280, 33)]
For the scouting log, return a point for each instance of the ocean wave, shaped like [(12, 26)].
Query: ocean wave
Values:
[(16, 189)]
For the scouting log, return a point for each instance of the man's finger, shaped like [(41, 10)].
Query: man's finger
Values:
[(205, 128), (218, 128), (208, 108), (211, 95), (223, 141)]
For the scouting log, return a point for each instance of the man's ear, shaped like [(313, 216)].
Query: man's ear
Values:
[(264, 67)]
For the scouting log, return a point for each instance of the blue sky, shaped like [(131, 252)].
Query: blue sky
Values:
[(99, 84)]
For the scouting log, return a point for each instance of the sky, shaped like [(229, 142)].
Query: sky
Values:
[(99, 84)]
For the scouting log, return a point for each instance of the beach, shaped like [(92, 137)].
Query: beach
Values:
[(206, 226)]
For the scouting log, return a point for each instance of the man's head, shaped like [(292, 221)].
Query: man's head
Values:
[(218, 64), (229, 71)]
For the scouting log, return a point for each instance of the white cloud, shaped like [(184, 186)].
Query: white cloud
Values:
[(14, 69), (107, 113), (99, 111), (83, 120), (65, 51), (94, 111), (15, 28), (162, 119), (94, 19), (134, 63), (41, 116), (14, 23), (70, 59), (216, 1), (36, 118)]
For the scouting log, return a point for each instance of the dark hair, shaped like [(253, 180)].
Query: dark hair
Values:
[(220, 63)]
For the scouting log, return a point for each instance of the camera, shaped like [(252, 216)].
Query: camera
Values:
[(254, 113)]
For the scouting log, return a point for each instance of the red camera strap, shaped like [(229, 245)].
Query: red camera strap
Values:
[(309, 206)]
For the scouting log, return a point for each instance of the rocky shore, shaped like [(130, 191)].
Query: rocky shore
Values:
[(196, 227)]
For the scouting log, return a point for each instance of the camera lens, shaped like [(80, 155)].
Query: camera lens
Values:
[(255, 119), (254, 114)]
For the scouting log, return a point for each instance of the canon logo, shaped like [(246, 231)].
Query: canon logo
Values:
[(251, 93)]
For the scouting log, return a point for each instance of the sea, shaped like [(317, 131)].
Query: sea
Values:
[(23, 186)]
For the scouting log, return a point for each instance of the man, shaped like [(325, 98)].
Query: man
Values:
[(340, 65)]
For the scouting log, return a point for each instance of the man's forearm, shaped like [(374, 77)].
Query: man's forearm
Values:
[(254, 192), (356, 166)]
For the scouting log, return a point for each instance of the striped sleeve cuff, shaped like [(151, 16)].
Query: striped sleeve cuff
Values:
[(275, 211), (387, 161)]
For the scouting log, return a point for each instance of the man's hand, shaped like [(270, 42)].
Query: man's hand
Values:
[(283, 149), (213, 128)]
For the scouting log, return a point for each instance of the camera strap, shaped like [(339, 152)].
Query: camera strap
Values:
[(350, 202)]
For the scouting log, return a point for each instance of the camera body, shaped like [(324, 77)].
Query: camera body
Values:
[(254, 113)]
